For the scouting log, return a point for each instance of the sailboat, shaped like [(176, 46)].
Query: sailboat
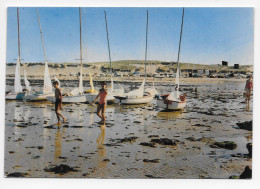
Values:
[(77, 95), (174, 101), (111, 91), (138, 96), (18, 92), (47, 86)]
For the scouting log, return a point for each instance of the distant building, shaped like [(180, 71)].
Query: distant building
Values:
[(236, 66), (224, 63)]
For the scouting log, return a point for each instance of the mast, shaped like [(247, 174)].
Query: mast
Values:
[(45, 57), (108, 46), (146, 46), (180, 47), (19, 51), (81, 64), (17, 81), (80, 36), (47, 86)]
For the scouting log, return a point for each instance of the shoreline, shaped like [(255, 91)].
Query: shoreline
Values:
[(148, 80)]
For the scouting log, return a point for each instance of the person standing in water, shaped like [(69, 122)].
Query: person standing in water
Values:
[(58, 102), (102, 95), (248, 90)]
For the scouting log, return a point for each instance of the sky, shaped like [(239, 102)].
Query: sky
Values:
[(210, 35)]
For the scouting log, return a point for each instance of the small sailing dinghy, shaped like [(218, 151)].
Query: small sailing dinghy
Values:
[(77, 95), (139, 96), (135, 97), (112, 91), (174, 101), (17, 93), (47, 86)]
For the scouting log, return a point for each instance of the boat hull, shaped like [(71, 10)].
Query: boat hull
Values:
[(133, 101), (73, 99), (36, 97), (15, 96), (171, 105)]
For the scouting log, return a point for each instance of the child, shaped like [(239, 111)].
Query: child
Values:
[(58, 102), (102, 102)]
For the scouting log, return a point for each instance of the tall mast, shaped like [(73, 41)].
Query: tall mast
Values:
[(180, 44), (45, 57), (80, 36), (108, 46), (19, 51), (146, 46)]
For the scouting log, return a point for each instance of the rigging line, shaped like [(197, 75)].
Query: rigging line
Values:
[(108, 45), (45, 57)]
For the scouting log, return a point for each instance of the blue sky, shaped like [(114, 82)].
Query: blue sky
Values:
[(210, 35)]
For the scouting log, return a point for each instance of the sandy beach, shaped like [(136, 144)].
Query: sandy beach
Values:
[(137, 141)]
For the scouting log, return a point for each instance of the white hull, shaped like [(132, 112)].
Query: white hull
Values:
[(74, 99), (36, 97), (90, 97), (132, 101), (14, 96), (51, 98), (171, 105)]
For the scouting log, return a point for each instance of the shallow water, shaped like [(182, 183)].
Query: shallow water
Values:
[(33, 144)]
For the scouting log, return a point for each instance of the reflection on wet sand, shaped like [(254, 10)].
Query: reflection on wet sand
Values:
[(58, 142), (101, 154), (169, 114)]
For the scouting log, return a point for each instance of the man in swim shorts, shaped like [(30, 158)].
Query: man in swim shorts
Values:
[(58, 102)]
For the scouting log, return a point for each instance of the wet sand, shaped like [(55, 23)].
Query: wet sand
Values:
[(126, 147)]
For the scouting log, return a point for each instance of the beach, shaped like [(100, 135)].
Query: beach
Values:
[(140, 141)]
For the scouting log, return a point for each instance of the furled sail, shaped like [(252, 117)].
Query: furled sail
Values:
[(80, 81), (137, 93), (27, 83), (47, 87), (56, 79), (17, 80)]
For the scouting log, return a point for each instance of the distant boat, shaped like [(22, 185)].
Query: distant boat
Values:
[(174, 101), (139, 96), (47, 86), (17, 93)]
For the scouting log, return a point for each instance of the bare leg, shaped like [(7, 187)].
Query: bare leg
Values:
[(99, 111), (103, 112), (59, 114)]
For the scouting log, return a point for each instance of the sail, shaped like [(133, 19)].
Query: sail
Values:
[(56, 79), (80, 81), (175, 94), (27, 83), (137, 93), (47, 87), (17, 80)]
